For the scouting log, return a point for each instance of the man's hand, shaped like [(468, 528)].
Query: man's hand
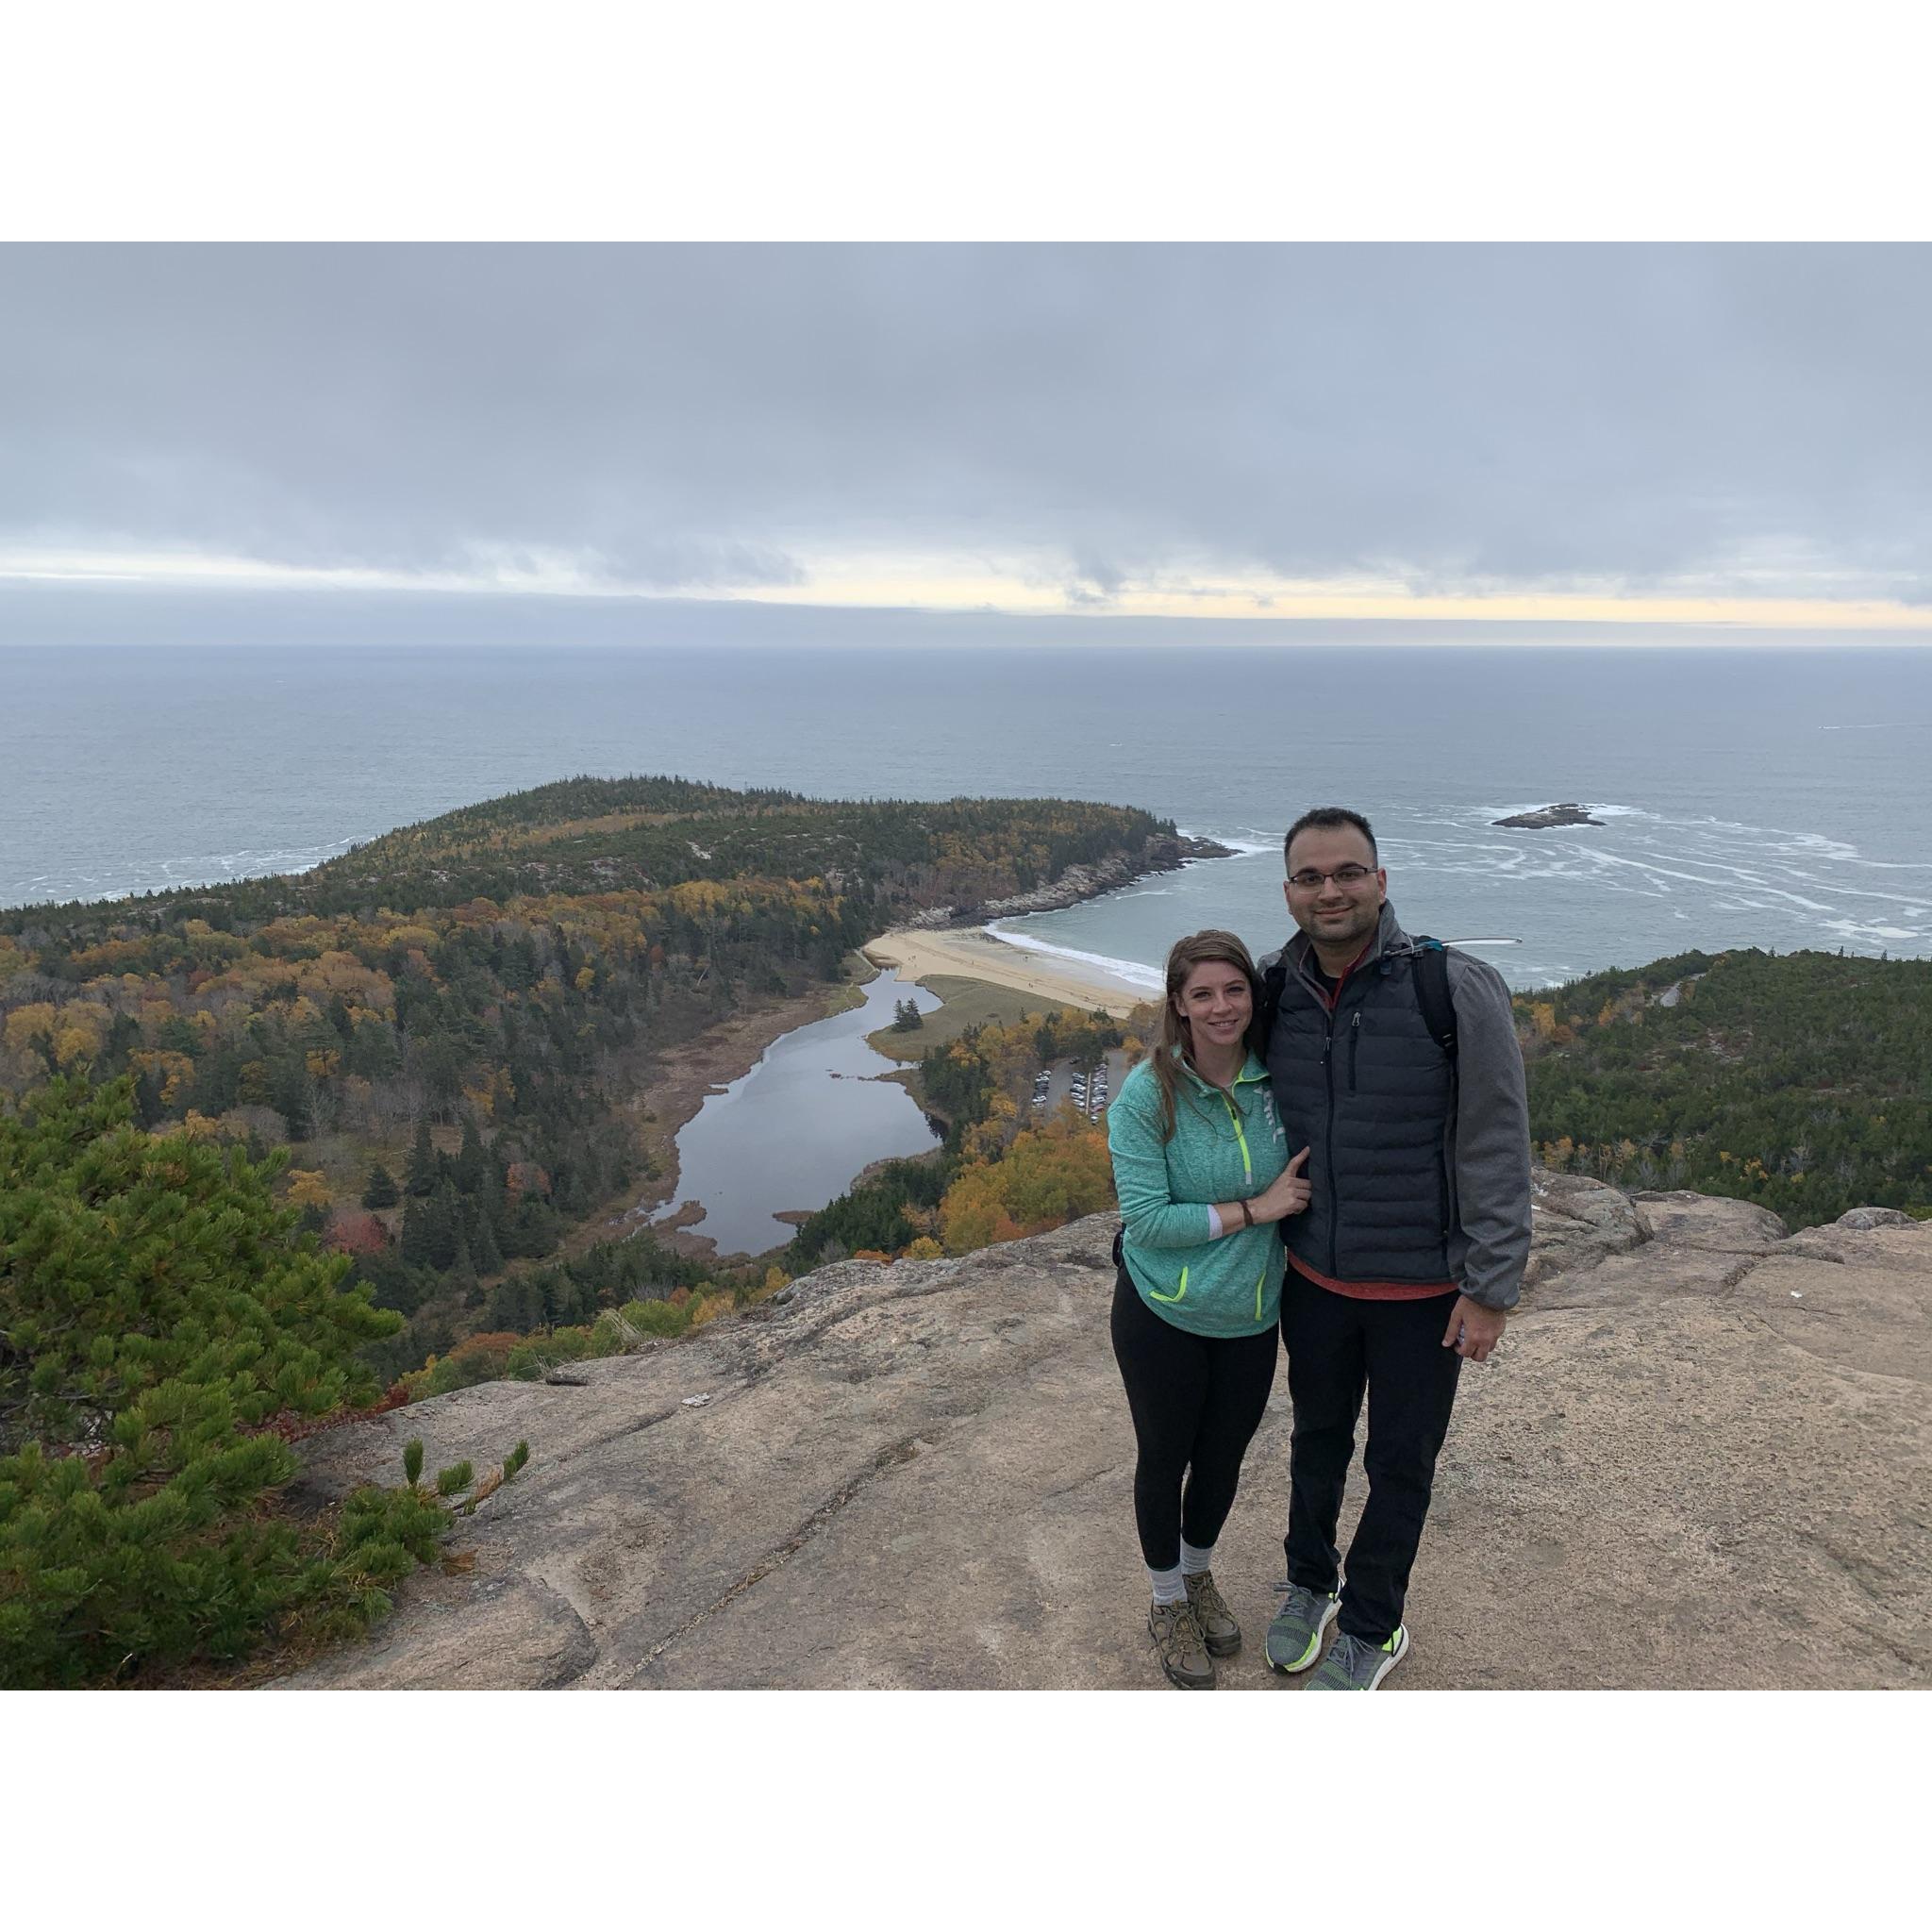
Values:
[(1474, 1330)]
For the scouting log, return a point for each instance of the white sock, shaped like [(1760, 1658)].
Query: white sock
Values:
[(1168, 1585), (1193, 1561)]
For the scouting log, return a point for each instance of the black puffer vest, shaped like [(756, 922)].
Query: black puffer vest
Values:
[(1369, 1094)]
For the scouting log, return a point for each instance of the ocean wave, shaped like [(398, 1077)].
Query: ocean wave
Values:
[(254, 864), (1132, 972), (1243, 844), (168, 875), (1857, 929)]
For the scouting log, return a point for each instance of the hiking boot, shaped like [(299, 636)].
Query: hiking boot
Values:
[(1294, 1638), (1183, 1649), (1217, 1626), (1353, 1665)]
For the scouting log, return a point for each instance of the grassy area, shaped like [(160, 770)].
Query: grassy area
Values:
[(968, 1003)]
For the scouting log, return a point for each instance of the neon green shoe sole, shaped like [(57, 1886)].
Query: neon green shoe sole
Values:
[(1294, 1638)]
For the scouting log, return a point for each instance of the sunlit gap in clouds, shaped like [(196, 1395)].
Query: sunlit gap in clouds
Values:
[(1025, 587)]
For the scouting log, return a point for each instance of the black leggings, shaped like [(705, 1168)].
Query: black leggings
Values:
[(1197, 1401)]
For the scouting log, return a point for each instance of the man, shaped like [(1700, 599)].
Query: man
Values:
[(1408, 1093)]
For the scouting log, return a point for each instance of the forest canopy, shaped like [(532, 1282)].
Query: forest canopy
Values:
[(1802, 1081), (446, 1026)]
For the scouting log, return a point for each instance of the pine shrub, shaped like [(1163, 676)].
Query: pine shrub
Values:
[(156, 1309)]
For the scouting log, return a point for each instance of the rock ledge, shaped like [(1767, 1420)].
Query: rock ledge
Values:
[(1700, 1459)]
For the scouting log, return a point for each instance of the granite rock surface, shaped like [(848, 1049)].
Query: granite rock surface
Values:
[(1700, 1459)]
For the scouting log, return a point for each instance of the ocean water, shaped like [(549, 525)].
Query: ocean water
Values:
[(1780, 798)]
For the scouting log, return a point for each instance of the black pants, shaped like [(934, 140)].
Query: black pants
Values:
[(1197, 1401), (1337, 1347)]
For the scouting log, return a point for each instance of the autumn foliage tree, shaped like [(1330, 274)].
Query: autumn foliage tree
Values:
[(1049, 1175)]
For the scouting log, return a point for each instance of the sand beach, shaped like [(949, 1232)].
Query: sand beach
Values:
[(974, 954)]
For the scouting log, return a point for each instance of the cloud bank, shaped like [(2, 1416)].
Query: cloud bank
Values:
[(696, 420)]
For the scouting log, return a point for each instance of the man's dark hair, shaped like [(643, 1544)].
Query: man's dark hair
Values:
[(1329, 818)]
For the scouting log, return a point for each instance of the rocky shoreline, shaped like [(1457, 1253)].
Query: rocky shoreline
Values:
[(1073, 886)]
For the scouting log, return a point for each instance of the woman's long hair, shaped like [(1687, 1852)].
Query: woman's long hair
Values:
[(1176, 1035)]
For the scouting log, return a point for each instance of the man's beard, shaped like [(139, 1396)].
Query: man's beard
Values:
[(1362, 921)]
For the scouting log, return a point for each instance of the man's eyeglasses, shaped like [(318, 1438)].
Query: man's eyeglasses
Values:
[(1347, 875)]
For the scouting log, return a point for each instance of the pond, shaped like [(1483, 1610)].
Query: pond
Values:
[(794, 1132)]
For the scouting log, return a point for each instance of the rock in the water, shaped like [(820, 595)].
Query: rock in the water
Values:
[(1549, 817), (1698, 1458)]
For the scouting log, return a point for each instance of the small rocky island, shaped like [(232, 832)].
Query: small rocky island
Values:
[(1550, 816)]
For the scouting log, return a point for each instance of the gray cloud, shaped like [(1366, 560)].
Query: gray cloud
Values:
[(1749, 418)]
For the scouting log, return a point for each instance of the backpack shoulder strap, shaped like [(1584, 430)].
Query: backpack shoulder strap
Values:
[(1432, 991)]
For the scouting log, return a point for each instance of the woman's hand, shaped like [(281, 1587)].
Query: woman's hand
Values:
[(1287, 1194)]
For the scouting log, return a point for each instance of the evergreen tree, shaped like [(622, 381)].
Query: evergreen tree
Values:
[(372, 1051), (380, 1189), (446, 1227), (291, 1091), (419, 1176), (489, 1255), (147, 1098), (471, 1161), (155, 1301), (415, 1240)]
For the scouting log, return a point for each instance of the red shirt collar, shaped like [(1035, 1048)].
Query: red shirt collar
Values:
[(1333, 998)]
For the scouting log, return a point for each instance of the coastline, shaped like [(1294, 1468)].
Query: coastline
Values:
[(919, 953), (972, 953), (942, 943)]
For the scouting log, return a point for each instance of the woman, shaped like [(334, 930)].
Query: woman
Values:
[(1202, 1170)]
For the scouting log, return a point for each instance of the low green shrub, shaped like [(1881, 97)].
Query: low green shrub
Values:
[(659, 1318), (157, 1312)]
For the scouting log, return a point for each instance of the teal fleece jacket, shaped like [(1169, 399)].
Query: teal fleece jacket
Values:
[(1225, 1147)]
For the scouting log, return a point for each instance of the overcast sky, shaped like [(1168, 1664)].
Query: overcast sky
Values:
[(1664, 433)]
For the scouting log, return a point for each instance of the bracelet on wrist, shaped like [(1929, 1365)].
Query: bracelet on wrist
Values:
[(1247, 1218)]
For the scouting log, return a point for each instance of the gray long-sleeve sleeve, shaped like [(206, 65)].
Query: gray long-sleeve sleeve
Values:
[(1492, 1135)]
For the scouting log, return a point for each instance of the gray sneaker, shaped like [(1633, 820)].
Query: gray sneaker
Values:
[(1183, 1649), (1294, 1638), (1355, 1665), (1217, 1626)]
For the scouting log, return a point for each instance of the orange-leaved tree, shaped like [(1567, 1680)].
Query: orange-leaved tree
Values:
[(1050, 1176)]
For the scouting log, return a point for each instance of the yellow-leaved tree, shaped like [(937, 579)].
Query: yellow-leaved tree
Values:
[(1050, 1176)]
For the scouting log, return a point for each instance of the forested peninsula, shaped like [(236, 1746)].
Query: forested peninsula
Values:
[(448, 1028)]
